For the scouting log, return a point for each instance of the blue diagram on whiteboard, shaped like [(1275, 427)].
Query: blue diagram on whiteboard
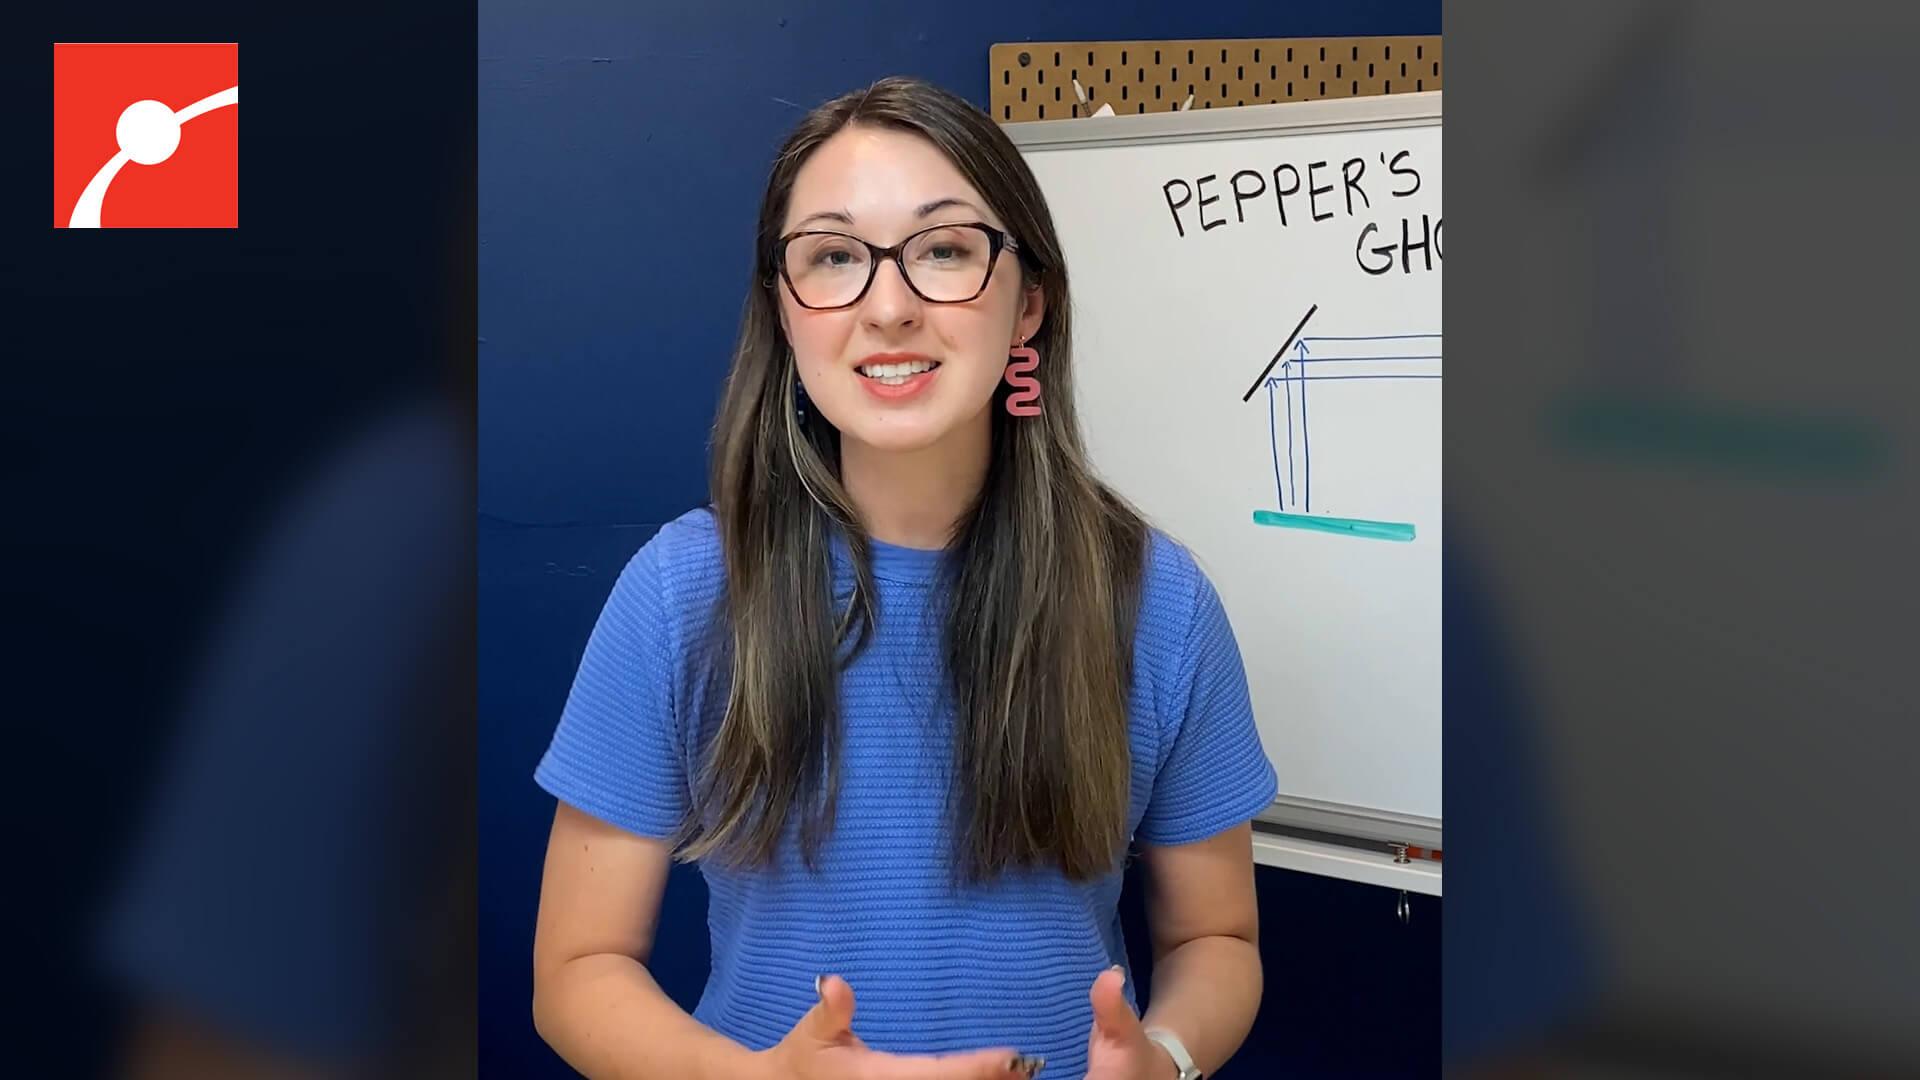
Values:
[(1353, 362)]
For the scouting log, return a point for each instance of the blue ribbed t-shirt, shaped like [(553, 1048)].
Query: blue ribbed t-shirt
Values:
[(934, 969)]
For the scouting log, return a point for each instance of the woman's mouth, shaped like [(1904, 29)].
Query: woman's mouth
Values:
[(896, 374), (898, 381)]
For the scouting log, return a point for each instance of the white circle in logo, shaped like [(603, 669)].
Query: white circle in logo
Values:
[(148, 131)]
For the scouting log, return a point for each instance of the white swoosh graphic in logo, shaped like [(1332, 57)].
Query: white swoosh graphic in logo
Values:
[(86, 212)]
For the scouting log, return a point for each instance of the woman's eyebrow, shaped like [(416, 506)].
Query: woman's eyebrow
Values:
[(942, 204), (840, 216), (845, 218)]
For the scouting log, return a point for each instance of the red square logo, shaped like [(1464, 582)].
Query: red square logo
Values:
[(146, 136)]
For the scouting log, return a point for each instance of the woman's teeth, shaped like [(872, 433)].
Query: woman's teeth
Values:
[(896, 374)]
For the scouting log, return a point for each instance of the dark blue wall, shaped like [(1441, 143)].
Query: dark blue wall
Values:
[(623, 148)]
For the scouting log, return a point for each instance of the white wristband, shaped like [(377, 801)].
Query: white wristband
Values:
[(1177, 1050)]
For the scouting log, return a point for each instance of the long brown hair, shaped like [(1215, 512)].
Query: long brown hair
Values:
[(1042, 594)]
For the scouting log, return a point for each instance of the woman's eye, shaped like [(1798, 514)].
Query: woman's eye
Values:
[(946, 251), (833, 258)]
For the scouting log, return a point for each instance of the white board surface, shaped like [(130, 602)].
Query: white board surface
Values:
[(1186, 283)]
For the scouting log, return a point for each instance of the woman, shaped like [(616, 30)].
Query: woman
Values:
[(910, 687)]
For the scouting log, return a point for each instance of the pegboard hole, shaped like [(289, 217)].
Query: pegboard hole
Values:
[(1256, 56), (1006, 78), (1156, 91), (1387, 51), (1106, 75), (1156, 56), (1043, 112), (1207, 72), (1240, 72), (1354, 90), (1323, 52), (1417, 84), (1323, 88), (1043, 76), (1123, 91), (1369, 71), (1056, 93), (1356, 53), (1023, 93), (1336, 70), (1419, 52)]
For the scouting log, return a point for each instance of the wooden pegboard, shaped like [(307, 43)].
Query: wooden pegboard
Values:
[(1156, 76)]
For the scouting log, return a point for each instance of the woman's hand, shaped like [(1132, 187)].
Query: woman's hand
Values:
[(1118, 1048), (822, 1046)]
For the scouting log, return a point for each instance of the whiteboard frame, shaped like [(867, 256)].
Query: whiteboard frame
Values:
[(1330, 115), (1346, 863)]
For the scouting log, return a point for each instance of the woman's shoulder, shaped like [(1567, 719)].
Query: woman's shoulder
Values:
[(693, 537), (1174, 591), (1173, 581), (678, 571)]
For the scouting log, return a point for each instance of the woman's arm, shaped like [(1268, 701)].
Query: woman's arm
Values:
[(593, 999), (1205, 924), (596, 1005)]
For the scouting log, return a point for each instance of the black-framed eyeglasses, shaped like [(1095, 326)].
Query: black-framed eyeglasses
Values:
[(942, 264)]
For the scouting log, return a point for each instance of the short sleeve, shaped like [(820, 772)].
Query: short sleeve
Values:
[(1215, 774), (616, 752)]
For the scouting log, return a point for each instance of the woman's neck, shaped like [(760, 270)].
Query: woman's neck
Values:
[(914, 498)]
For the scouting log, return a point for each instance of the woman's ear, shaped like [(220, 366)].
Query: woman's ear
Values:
[(1033, 312)]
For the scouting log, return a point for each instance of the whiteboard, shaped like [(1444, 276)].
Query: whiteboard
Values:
[(1257, 359)]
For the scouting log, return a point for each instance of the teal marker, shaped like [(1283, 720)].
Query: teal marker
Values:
[(1372, 530)]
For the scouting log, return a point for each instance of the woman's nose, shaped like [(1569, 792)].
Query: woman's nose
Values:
[(890, 301)]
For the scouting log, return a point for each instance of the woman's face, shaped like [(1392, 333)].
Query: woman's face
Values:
[(883, 185)]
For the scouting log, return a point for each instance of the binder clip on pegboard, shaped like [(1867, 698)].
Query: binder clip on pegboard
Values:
[(1106, 108)]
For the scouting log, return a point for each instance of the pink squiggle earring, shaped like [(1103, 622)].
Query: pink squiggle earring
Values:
[(1025, 400)]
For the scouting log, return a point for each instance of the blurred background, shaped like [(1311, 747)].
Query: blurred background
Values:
[(1684, 451), (239, 472)]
